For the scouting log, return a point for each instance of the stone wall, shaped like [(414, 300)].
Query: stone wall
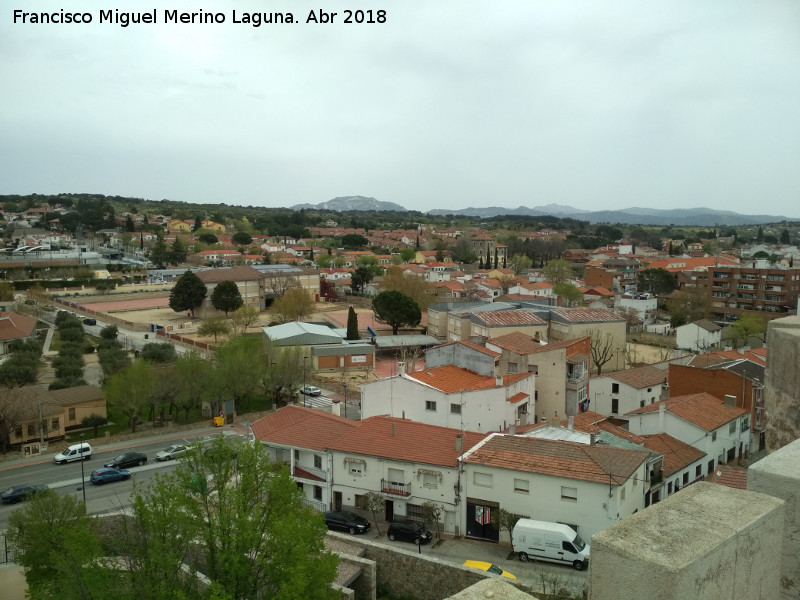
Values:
[(782, 393), (779, 475), (708, 542)]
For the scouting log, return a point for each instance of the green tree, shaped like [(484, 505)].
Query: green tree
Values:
[(240, 363), (215, 326), (242, 238), (177, 252), (656, 281), (6, 291), (294, 305), (408, 254), (158, 353), (159, 253), (19, 370), (188, 293), (129, 391), (194, 378), (324, 261), (397, 310), (569, 293), (56, 544), (353, 241), (432, 513), (463, 252), (243, 318), (352, 325), (520, 263), (688, 306), (375, 503), (208, 238), (94, 421), (129, 224), (360, 278), (748, 324), (198, 224), (226, 297), (557, 271), (408, 283), (785, 238)]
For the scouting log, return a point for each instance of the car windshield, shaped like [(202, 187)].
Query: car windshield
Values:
[(578, 543), (10, 490), (121, 457), (495, 569)]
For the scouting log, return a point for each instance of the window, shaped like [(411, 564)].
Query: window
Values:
[(698, 471), (635, 479), (649, 390), (413, 512), (641, 404), (512, 367), (669, 488), (31, 429), (297, 454), (685, 478), (317, 461), (71, 414), (430, 480), (732, 427), (522, 486), (430, 405), (317, 493), (622, 493), (397, 477), (569, 493), (713, 437), (482, 479), (356, 469), (745, 424), (361, 501), (54, 424), (615, 388), (615, 406), (710, 466), (455, 409)]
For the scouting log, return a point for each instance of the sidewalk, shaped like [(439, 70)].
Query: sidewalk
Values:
[(12, 582)]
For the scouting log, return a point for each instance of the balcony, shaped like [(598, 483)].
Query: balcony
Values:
[(309, 473), (395, 488), (315, 504)]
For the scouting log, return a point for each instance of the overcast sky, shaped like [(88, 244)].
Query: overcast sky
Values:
[(449, 104)]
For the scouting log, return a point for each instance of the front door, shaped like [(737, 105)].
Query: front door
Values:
[(389, 511), (337, 501)]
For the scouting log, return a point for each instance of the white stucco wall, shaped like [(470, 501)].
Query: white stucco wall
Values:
[(630, 398)]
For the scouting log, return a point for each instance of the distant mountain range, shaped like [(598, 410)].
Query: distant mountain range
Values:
[(345, 203), (703, 217)]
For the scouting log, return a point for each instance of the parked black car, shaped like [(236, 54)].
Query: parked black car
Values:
[(129, 459), (346, 521), (18, 493), (409, 531)]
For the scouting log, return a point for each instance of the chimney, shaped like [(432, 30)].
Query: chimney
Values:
[(592, 439), (401, 368), (512, 429), (392, 429), (459, 443), (662, 410), (571, 422), (498, 380), (730, 400)]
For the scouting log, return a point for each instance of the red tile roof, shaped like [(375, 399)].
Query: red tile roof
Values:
[(402, 439), (598, 464), (734, 477), (703, 410), (592, 422), (451, 379), (301, 427), (587, 315), (518, 398), (640, 377), (522, 343), (505, 318), (677, 455), (14, 326)]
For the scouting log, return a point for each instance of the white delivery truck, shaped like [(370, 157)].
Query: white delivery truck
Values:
[(554, 542)]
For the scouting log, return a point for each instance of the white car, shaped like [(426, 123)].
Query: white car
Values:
[(170, 452), (311, 390)]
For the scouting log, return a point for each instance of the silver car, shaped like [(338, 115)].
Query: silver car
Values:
[(171, 452)]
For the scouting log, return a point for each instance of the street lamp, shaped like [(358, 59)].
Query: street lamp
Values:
[(304, 379), (345, 400)]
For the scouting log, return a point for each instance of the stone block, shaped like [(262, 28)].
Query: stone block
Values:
[(706, 542)]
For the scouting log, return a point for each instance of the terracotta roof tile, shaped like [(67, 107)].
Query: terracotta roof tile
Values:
[(592, 422), (473, 346), (14, 326), (451, 379), (504, 318), (301, 427), (640, 377), (598, 464), (677, 455), (518, 397), (402, 439), (703, 410), (230, 274), (522, 343), (587, 315), (734, 477)]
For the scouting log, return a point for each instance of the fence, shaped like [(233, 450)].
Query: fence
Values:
[(103, 316), (6, 550)]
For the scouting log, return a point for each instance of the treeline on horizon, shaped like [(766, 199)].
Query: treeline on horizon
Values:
[(98, 211)]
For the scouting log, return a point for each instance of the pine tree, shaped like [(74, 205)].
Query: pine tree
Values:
[(495, 258), (352, 325), (480, 262)]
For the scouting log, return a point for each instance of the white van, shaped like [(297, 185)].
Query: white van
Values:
[(82, 451), (553, 542)]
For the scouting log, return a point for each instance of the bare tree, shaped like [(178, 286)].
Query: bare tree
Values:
[(432, 513), (244, 318), (277, 284), (410, 355), (14, 407), (603, 347), (375, 503), (38, 298)]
